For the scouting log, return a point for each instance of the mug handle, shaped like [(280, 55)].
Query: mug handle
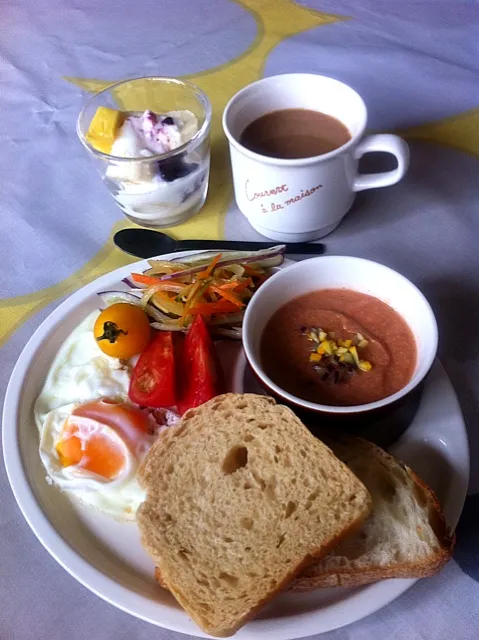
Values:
[(387, 143)]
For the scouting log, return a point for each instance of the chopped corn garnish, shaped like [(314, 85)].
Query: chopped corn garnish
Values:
[(364, 365), (348, 358), (354, 352), (328, 347), (340, 357)]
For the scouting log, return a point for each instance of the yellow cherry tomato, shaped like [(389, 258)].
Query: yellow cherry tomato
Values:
[(122, 330)]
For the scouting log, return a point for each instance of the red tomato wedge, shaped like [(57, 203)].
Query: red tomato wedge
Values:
[(153, 379), (200, 377)]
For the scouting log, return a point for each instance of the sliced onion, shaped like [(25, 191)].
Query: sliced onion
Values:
[(237, 269), (234, 333), (267, 258), (131, 284), (169, 286), (167, 326), (196, 258), (236, 256), (160, 266), (227, 319), (156, 314), (148, 293), (157, 288), (111, 297)]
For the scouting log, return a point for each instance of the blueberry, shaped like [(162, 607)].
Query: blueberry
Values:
[(174, 168), (168, 120), (170, 169)]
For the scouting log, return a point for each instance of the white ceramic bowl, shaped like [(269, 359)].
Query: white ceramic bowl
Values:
[(334, 272)]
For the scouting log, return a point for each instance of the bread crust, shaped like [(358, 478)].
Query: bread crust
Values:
[(315, 576), (307, 561), (319, 553), (357, 500)]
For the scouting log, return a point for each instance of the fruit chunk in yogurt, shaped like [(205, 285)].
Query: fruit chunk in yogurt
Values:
[(134, 135), (159, 192), (104, 128)]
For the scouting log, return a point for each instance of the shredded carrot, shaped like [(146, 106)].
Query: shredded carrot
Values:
[(194, 296), (209, 308), (142, 279), (209, 269), (241, 286), (227, 295), (208, 292), (251, 271), (225, 286)]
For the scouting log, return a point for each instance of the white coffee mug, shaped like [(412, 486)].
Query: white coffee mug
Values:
[(304, 199)]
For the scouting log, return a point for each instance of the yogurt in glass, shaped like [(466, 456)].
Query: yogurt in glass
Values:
[(154, 163)]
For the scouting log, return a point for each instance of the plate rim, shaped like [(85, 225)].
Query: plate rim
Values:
[(108, 589)]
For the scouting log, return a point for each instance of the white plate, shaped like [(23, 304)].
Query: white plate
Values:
[(106, 556)]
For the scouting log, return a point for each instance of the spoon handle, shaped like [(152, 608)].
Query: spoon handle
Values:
[(240, 245)]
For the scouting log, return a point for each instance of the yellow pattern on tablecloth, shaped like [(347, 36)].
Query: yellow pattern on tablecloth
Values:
[(276, 20), (460, 131)]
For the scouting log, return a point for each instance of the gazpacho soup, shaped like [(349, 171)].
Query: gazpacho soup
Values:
[(338, 347)]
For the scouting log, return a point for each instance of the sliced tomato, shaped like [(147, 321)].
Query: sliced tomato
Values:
[(200, 377), (153, 379)]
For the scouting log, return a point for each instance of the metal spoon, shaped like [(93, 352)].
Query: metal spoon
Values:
[(146, 243)]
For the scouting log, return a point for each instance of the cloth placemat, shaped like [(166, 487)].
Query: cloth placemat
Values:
[(415, 64)]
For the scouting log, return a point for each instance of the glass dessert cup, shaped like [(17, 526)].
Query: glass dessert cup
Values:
[(162, 189)]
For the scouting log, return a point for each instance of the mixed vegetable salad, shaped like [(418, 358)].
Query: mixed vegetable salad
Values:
[(200, 296), (216, 286)]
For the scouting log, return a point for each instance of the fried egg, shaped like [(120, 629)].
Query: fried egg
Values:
[(81, 372), (91, 439), (93, 451)]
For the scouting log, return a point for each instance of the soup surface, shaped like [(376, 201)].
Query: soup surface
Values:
[(365, 349)]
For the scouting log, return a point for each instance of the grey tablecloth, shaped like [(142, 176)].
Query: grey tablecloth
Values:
[(416, 65)]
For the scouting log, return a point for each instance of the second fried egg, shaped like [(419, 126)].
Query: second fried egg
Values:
[(91, 439)]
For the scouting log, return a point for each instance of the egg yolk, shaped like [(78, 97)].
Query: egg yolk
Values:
[(93, 450), (98, 454)]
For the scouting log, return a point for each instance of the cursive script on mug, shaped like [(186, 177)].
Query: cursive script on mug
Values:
[(256, 195), (252, 195)]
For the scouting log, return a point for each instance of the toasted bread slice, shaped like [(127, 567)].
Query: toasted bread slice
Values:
[(240, 498), (404, 537)]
